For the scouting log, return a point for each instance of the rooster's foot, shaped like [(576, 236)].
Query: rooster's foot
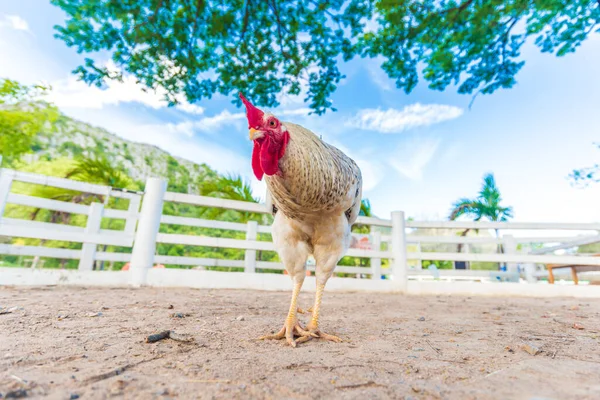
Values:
[(289, 331), (316, 333)]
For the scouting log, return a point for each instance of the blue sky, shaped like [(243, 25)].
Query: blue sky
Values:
[(418, 152)]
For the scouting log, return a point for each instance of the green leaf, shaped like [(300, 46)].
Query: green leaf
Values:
[(268, 48)]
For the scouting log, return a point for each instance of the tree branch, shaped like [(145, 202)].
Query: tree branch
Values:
[(194, 28), (273, 7), (333, 17), (151, 18), (245, 21)]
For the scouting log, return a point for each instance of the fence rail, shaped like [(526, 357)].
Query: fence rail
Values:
[(390, 247)]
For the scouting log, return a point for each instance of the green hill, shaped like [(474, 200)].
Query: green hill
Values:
[(75, 138)]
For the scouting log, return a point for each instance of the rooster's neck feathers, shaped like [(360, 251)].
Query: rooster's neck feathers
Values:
[(316, 178)]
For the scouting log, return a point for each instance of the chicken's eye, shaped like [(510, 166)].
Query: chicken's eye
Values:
[(272, 123)]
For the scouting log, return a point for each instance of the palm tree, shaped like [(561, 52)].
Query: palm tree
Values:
[(230, 187), (100, 171), (365, 208), (485, 206)]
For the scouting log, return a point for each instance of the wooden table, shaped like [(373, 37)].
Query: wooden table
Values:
[(574, 268)]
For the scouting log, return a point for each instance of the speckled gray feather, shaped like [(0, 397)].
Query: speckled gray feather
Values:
[(315, 179)]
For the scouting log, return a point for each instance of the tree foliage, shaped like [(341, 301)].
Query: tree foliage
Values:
[(23, 114), (365, 208), (485, 206), (584, 176), (231, 187), (195, 48), (101, 171)]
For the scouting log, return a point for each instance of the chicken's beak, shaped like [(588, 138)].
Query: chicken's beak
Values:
[(255, 134)]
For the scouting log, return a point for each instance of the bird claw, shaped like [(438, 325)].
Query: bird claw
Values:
[(278, 336), (303, 335), (289, 331), (316, 334), (331, 338)]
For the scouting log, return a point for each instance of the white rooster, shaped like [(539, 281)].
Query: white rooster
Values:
[(316, 191)]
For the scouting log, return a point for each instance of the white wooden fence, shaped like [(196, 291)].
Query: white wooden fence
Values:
[(392, 240)]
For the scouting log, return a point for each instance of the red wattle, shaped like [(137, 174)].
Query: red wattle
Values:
[(258, 171), (266, 155), (269, 157)]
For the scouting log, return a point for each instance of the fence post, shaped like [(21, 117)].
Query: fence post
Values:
[(510, 247), (376, 262), (132, 218), (6, 179), (144, 246), (529, 273), (420, 260), (399, 266), (88, 250), (250, 256)]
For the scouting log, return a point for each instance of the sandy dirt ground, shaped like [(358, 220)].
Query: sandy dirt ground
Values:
[(89, 343)]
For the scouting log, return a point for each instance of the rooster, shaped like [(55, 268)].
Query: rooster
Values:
[(316, 191)]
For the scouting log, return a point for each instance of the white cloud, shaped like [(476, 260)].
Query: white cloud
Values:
[(411, 158), (207, 124), (190, 108), (14, 22), (411, 116), (224, 118), (72, 93)]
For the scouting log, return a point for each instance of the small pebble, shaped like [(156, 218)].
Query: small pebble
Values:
[(16, 394), (241, 318), (531, 349), (74, 396), (422, 319), (93, 314)]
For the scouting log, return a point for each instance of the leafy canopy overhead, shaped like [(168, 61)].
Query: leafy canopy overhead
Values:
[(195, 48)]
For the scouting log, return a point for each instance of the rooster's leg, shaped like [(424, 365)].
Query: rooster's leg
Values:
[(327, 257), (291, 326), (313, 325)]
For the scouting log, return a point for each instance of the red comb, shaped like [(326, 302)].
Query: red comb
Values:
[(253, 114)]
